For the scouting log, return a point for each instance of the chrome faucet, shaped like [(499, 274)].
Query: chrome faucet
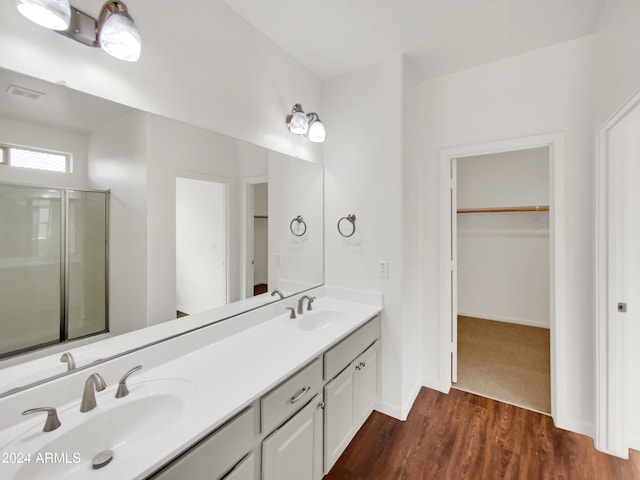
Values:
[(94, 383), (301, 303), (278, 292), (52, 422), (71, 363), (123, 391)]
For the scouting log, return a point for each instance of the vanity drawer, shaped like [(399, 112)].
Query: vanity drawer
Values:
[(337, 359), (291, 396), (215, 455)]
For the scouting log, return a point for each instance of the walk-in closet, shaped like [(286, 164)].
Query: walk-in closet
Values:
[(503, 276)]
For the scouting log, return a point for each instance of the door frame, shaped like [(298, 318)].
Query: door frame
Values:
[(448, 261), (248, 236), (611, 342)]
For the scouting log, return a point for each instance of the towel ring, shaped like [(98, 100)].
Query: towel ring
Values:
[(298, 219), (350, 218)]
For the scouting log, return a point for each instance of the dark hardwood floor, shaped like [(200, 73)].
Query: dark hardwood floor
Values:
[(465, 436)]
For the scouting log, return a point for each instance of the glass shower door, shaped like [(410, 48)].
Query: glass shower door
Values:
[(30, 267), (87, 263)]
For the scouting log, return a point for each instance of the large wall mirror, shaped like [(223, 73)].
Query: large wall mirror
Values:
[(198, 222)]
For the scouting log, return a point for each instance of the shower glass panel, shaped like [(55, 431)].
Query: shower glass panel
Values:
[(53, 266), (87, 263), (30, 267)]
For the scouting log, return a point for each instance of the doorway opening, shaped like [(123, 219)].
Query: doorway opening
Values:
[(536, 222), (257, 226), (201, 245), (502, 285)]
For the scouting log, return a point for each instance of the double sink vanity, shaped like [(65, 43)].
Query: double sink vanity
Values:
[(259, 396)]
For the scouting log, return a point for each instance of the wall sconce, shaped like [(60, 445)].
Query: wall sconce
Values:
[(114, 31), (307, 124)]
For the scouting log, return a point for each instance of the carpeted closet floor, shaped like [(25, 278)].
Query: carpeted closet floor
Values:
[(504, 361)]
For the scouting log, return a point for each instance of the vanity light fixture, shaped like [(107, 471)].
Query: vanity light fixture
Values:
[(114, 31), (307, 124), (53, 14)]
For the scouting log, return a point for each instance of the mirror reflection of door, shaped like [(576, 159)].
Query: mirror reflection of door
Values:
[(260, 238), (201, 245)]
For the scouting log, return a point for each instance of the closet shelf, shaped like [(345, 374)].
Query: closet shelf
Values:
[(536, 208), (260, 216)]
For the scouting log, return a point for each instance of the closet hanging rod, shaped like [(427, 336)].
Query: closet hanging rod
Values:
[(537, 208)]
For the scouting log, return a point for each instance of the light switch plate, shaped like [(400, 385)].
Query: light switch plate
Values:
[(383, 269)]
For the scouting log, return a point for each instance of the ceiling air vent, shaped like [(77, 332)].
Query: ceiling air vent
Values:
[(25, 92)]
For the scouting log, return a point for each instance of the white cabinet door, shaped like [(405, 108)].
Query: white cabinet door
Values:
[(349, 398), (294, 451), (340, 415), (245, 470), (367, 383)]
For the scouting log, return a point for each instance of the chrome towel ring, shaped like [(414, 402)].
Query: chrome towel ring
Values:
[(300, 220), (350, 218)]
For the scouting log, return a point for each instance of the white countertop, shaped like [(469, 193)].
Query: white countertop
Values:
[(228, 376)]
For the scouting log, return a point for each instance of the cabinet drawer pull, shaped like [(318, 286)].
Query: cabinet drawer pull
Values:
[(300, 394)]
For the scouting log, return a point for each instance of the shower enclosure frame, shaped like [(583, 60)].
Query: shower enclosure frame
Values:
[(64, 265)]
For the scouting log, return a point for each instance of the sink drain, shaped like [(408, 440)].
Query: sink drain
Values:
[(102, 459)]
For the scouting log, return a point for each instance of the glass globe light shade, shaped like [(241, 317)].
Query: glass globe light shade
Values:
[(299, 124), (53, 14), (119, 37), (317, 133)]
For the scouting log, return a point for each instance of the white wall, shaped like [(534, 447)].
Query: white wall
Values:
[(617, 49), (547, 90), (509, 179), (176, 149), (503, 267), (122, 167), (503, 258), (24, 134), (295, 188), (216, 71), (369, 159)]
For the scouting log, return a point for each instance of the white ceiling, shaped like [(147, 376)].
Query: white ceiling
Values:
[(331, 37)]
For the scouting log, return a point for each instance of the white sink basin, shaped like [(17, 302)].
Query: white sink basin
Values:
[(125, 426), (320, 319)]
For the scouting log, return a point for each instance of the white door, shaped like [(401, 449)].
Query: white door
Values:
[(245, 470), (201, 245), (339, 415), (618, 282), (367, 383), (624, 148), (294, 451)]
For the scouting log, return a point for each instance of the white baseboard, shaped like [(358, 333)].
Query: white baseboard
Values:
[(399, 412), (500, 318), (634, 442), (390, 409), (575, 425), (441, 386)]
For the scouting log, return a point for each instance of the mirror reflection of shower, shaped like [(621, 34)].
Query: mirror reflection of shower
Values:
[(201, 245)]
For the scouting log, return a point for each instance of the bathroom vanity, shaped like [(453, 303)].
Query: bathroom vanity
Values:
[(271, 398)]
